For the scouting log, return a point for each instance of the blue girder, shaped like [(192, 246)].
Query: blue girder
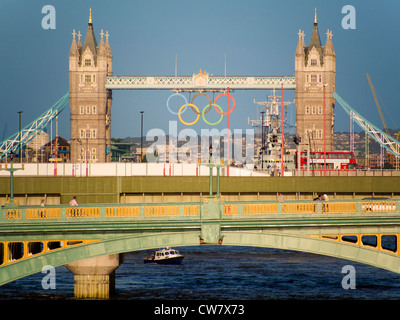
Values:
[(14, 142), (384, 140)]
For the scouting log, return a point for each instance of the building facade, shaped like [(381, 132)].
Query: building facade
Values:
[(315, 72), (90, 101)]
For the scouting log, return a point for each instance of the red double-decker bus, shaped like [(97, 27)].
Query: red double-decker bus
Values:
[(334, 160)]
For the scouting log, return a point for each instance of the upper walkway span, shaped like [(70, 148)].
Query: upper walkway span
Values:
[(201, 82)]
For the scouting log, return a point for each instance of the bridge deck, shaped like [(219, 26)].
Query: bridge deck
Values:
[(60, 234)]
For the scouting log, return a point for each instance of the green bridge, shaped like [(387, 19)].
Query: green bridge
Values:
[(90, 239), (124, 214)]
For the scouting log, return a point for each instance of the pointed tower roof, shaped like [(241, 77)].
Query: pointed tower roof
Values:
[(108, 49), (74, 48), (328, 49), (79, 40), (315, 41), (90, 39), (102, 46), (300, 44)]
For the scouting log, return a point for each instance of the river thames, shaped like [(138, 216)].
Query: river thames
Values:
[(226, 273)]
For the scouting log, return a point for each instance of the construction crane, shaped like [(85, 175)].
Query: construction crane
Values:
[(377, 104)]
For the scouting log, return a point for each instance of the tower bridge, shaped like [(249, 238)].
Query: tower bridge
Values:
[(92, 81)]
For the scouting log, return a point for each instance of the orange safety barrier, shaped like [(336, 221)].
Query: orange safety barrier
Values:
[(161, 211), (339, 207), (299, 208), (378, 206), (13, 214), (254, 209), (43, 213), (82, 212), (191, 210), (122, 211), (230, 209)]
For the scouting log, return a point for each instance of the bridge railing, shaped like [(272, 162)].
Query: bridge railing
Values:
[(311, 207), (193, 210), (30, 214)]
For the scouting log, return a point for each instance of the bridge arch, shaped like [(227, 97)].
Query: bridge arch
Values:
[(347, 251)]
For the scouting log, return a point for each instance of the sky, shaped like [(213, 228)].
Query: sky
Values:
[(258, 38)]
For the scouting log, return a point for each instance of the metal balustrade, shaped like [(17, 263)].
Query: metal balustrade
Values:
[(194, 210)]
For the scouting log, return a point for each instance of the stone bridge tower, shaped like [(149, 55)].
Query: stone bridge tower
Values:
[(90, 101), (315, 72)]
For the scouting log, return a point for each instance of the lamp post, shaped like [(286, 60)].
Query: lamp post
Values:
[(141, 136), (212, 165), (324, 132), (211, 172), (262, 140), (282, 142), (11, 170), (20, 138)]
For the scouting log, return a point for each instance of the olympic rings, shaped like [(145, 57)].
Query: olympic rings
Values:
[(205, 110), (191, 105), (212, 123), (229, 96), (176, 94), (202, 94)]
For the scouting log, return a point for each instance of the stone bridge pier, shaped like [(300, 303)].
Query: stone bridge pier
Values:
[(94, 278)]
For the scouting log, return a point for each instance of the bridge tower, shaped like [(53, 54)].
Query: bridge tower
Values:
[(90, 101), (315, 72)]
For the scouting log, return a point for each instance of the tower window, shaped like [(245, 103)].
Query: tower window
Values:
[(313, 62), (88, 62), (93, 133), (314, 78), (88, 78), (307, 109), (314, 109)]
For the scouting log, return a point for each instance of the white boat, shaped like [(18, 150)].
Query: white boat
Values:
[(165, 256)]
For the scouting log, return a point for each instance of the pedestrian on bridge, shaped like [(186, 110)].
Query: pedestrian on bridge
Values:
[(73, 202)]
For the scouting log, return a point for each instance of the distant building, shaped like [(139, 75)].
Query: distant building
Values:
[(122, 152), (35, 147), (38, 141), (57, 148)]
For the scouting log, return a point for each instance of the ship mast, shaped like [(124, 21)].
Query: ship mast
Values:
[(270, 153)]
